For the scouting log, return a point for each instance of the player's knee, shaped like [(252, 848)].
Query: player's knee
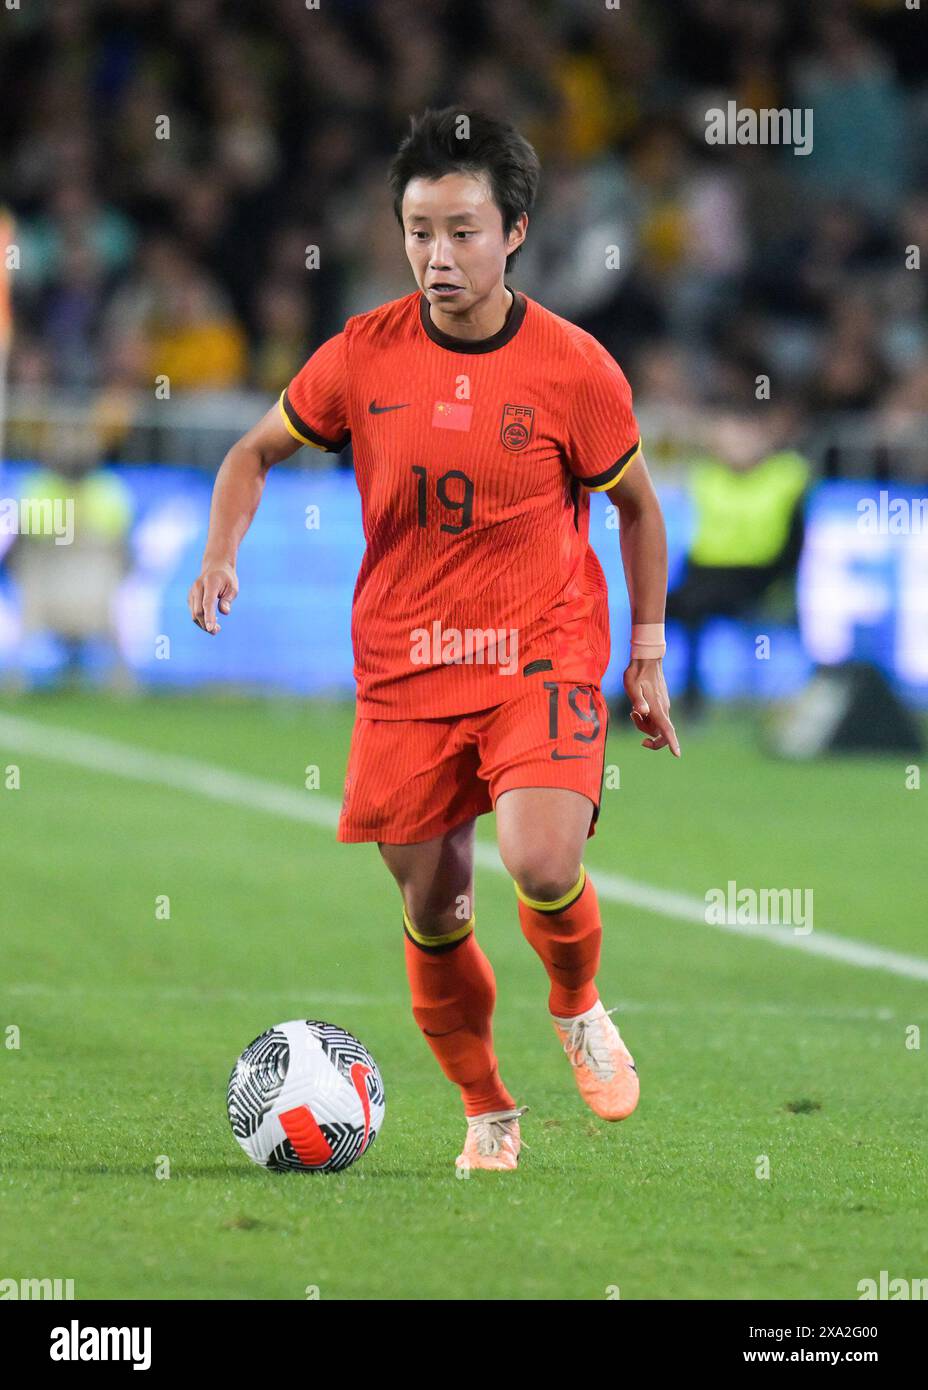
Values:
[(545, 877)]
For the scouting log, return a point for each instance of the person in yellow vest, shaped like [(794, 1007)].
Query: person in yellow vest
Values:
[(748, 500), (72, 550)]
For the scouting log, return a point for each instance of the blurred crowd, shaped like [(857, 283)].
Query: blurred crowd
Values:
[(169, 162)]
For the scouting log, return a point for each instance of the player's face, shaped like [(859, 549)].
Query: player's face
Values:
[(454, 239)]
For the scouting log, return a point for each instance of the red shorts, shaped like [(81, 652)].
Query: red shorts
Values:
[(410, 780)]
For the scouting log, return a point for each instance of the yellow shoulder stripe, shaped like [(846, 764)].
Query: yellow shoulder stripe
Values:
[(604, 487), (295, 432)]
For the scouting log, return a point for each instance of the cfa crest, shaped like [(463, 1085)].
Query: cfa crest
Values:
[(515, 431)]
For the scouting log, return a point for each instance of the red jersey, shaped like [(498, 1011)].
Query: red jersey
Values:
[(474, 461)]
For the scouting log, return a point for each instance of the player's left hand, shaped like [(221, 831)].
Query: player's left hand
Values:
[(647, 690)]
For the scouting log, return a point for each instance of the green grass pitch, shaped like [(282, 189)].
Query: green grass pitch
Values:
[(129, 1026)]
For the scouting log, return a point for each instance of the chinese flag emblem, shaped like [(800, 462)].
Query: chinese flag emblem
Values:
[(451, 415)]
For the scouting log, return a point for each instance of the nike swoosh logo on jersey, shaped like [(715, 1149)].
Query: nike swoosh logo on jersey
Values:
[(376, 409), (562, 757)]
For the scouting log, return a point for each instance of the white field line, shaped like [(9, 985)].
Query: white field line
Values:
[(194, 994), (95, 754)]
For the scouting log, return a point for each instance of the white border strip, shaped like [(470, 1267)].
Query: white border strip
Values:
[(95, 754)]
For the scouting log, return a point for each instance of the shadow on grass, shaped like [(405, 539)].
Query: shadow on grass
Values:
[(224, 1171)]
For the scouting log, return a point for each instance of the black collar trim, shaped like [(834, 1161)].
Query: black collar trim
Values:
[(446, 340)]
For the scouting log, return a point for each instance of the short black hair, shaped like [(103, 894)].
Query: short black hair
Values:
[(435, 146)]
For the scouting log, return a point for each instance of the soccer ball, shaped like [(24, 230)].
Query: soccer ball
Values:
[(306, 1096)]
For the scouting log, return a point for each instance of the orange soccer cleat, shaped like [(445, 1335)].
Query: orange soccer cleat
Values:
[(493, 1140), (607, 1078)]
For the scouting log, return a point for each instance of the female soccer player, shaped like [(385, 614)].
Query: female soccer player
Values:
[(480, 422)]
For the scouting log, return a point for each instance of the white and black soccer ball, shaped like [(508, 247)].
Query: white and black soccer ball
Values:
[(307, 1097)]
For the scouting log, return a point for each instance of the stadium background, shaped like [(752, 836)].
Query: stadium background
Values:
[(185, 258)]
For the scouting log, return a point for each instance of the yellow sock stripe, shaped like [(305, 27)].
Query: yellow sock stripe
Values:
[(447, 940), (558, 903)]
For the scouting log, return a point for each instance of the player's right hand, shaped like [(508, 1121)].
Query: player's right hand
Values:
[(217, 585)]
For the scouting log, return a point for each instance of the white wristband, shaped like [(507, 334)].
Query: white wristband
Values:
[(648, 641)]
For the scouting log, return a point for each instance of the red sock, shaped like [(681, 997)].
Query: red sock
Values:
[(453, 994), (568, 940)]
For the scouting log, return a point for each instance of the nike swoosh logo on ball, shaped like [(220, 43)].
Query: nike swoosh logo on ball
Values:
[(359, 1074)]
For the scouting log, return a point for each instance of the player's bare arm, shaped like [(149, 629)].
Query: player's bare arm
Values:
[(643, 539), (236, 494)]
